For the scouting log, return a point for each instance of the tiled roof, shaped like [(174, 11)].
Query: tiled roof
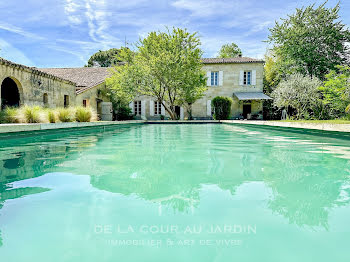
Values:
[(33, 70), (84, 77), (233, 60)]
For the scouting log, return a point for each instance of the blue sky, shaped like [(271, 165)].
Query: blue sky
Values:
[(64, 33)]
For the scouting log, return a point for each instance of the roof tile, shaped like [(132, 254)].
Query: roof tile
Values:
[(232, 60)]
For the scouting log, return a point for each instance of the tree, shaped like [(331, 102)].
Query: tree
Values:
[(311, 41), (166, 66), (230, 50), (272, 77), (104, 58), (299, 93), (336, 91)]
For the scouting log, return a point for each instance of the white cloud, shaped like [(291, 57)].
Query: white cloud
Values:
[(10, 52), (19, 31), (205, 8), (72, 9)]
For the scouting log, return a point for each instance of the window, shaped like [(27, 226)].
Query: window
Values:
[(137, 108), (157, 108), (247, 78), (45, 99), (214, 78), (86, 103), (66, 101)]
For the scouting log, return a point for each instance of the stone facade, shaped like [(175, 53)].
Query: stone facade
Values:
[(33, 84), (232, 83), (22, 85), (230, 80)]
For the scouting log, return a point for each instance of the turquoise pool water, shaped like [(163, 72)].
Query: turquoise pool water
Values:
[(175, 193)]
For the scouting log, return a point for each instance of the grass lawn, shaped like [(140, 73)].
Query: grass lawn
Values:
[(337, 121)]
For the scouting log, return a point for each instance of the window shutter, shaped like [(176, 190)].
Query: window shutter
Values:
[(241, 76), (151, 108), (143, 108), (181, 113), (131, 105), (221, 78), (163, 110), (254, 77), (209, 108), (209, 78)]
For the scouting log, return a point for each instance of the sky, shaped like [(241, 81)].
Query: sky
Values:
[(65, 33)]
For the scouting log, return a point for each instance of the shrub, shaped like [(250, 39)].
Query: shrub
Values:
[(51, 115), (222, 107), (84, 114), (66, 114), (124, 113), (32, 114), (10, 115)]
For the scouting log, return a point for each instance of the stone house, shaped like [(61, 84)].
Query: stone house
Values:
[(240, 78), (51, 87)]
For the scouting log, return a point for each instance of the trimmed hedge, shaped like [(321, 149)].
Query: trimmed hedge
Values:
[(222, 107)]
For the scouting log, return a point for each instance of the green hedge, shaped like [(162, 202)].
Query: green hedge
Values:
[(124, 113), (222, 107)]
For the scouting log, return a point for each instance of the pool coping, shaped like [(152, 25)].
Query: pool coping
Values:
[(17, 128), (293, 125), (23, 128)]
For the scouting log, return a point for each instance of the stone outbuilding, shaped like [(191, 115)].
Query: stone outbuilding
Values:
[(51, 87)]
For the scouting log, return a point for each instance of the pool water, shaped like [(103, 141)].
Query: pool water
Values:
[(175, 193)]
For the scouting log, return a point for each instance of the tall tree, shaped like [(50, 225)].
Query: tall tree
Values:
[(336, 91), (166, 66), (311, 41), (106, 58), (230, 50)]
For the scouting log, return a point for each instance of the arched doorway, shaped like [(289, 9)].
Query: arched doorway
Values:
[(9, 93)]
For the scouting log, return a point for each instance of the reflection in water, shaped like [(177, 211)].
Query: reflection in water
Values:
[(14, 163), (169, 165), (32, 157)]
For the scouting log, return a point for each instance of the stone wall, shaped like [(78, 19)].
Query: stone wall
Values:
[(33, 84)]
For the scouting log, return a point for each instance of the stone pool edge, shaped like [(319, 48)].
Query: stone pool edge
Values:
[(309, 126), (20, 128), (16, 128)]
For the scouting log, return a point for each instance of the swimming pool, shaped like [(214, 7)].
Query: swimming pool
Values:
[(212, 192)]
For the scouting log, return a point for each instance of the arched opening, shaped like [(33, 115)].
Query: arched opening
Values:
[(9, 93)]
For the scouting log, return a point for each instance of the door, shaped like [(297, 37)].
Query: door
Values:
[(247, 109), (177, 112), (107, 111)]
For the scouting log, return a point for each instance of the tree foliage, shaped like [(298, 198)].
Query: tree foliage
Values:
[(166, 66), (301, 94), (311, 41), (222, 107), (230, 50), (336, 91), (104, 58)]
